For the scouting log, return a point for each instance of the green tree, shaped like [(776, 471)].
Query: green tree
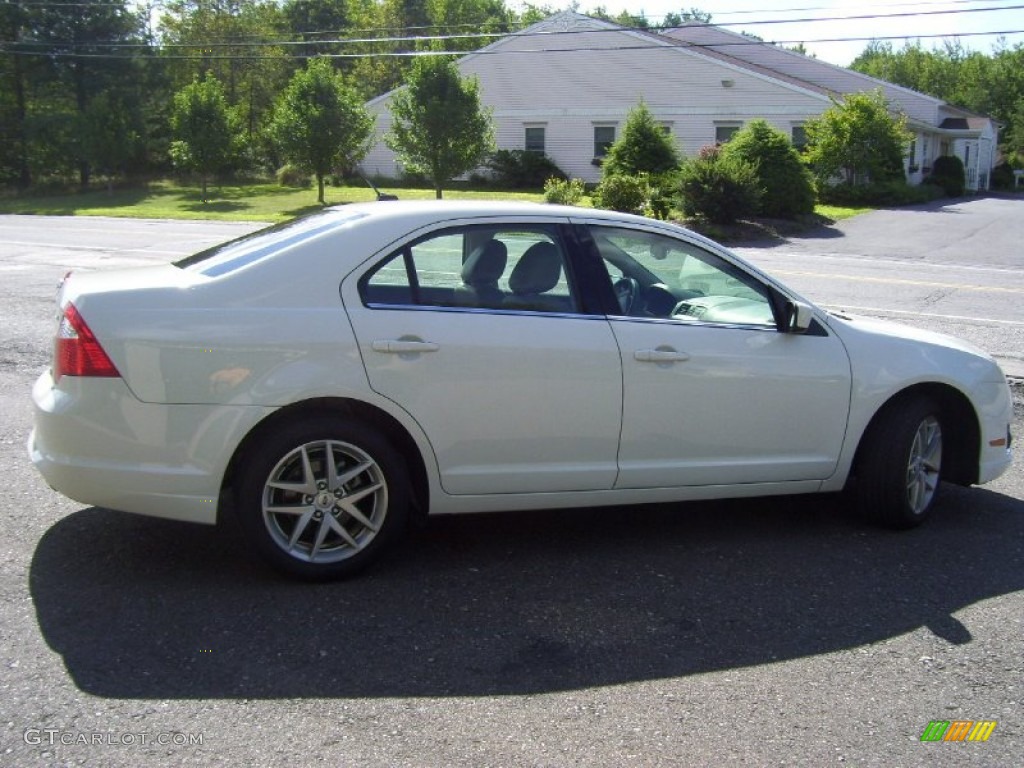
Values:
[(202, 127), (451, 17), (320, 123), (859, 140), (232, 39), (989, 84), (1014, 133), (787, 184), (673, 19), (440, 127), (109, 135), (315, 20), (71, 53), (14, 157), (531, 13), (644, 147)]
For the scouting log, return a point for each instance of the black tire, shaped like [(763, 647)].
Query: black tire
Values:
[(900, 464), (341, 520)]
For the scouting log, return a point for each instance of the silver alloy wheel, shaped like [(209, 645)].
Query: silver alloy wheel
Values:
[(924, 465), (325, 501)]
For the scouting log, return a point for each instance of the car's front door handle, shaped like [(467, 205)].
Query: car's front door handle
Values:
[(404, 346), (660, 356)]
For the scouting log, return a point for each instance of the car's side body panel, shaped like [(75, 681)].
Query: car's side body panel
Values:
[(508, 410)]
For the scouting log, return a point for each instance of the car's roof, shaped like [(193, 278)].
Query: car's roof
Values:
[(417, 213), (452, 209)]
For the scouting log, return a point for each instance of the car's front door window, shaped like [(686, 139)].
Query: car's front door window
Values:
[(659, 276)]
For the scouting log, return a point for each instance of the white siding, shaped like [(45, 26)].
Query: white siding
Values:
[(572, 72), (573, 81)]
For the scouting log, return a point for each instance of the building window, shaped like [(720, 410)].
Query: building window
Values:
[(604, 137), (913, 167), (798, 137), (534, 139), (725, 131)]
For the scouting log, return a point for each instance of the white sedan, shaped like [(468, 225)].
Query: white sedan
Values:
[(328, 378)]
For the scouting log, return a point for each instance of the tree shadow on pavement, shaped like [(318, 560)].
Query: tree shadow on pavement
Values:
[(514, 603)]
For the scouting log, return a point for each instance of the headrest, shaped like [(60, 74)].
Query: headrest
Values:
[(485, 264), (537, 271)]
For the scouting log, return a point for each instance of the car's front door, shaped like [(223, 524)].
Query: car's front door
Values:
[(478, 332), (714, 393)]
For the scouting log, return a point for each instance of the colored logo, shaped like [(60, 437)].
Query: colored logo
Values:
[(958, 730)]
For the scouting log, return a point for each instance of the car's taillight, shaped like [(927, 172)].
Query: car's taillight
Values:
[(77, 351)]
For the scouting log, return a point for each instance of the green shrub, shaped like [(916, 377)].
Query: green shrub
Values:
[(644, 147), (786, 182), (885, 193), (628, 194), (293, 176), (520, 169), (663, 193), (1002, 176), (719, 188), (563, 191), (948, 174)]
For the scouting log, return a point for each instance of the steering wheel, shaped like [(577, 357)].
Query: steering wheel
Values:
[(626, 291)]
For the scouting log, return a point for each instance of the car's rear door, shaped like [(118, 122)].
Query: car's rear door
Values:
[(517, 386)]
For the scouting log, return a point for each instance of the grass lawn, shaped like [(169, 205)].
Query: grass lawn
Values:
[(270, 202), (235, 202), (839, 212)]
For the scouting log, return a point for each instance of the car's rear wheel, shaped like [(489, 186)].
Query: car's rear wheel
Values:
[(900, 464), (319, 498)]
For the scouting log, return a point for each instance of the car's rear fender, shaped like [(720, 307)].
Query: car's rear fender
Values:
[(400, 431)]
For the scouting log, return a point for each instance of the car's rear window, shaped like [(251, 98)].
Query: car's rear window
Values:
[(248, 249)]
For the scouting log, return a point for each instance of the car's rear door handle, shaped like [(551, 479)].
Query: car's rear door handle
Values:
[(660, 356), (406, 346)]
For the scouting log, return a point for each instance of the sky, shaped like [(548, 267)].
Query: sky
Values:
[(808, 21)]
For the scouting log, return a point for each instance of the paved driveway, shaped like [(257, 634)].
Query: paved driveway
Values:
[(956, 268)]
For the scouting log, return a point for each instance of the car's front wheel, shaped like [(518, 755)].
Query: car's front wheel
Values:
[(900, 464), (319, 498)]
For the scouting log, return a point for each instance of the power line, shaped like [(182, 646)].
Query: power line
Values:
[(870, 16), (925, 3), (521, 51), (804, 20), (500, 34)]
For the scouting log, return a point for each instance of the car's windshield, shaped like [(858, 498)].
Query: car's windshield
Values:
[(245, 250)]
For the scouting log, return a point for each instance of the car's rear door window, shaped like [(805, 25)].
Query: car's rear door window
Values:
[(479, 267)]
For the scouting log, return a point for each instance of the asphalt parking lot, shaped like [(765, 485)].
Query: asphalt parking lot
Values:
[(752, 633)]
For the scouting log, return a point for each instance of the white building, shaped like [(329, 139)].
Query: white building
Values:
[(565, 85)]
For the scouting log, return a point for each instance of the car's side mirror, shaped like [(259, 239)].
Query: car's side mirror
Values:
[(798, 318)]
